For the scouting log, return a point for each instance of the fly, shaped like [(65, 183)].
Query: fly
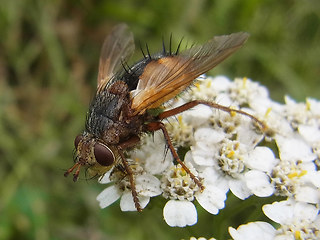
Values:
[(120, 110)]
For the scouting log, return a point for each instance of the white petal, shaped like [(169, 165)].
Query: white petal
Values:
[(314, 177), (205, 148), (246, 135), (151, 153), (212, 199), (197, 116), (289, 101), (224, 99), (188, 159), (305, 212), (280, 212), (127, 203), (221, 83), (239, 188), (308, 194), (208, 136), (283, 236), (215, 178), (202, 157), (108, 196), (261, 158), (310, 133), (253, 231), (106, 177), (148, 185), (157, 162), (294, 149), (258, 182), (180, 213)]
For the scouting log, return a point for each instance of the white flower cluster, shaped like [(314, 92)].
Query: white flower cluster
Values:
[(228, 151)]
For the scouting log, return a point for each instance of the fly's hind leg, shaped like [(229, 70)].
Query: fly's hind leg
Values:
[(194, 103)]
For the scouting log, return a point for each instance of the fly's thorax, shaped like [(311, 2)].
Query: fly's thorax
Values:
[(109, 111), (94, 154)]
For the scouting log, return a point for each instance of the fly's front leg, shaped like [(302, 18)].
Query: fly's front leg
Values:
[(127, 144)]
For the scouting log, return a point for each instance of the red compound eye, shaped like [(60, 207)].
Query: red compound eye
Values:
[(104, 156), (77, 140)]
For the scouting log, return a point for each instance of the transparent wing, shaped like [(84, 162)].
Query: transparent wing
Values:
[(166, 77), (117, 47)]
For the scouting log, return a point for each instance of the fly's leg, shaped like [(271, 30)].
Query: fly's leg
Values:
[(129, 143), (154, 126), (194, 103)]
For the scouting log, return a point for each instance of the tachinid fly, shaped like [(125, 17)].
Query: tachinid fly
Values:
[(119, 112)]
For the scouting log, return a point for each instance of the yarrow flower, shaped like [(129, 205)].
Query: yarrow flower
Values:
[(147, 186), (229, 150), (253, 231), (297, 221), (178, 186), (181, 189)]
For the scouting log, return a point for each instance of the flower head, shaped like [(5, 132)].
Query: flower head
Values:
[(225, 150), (297, 220), (146, 184)]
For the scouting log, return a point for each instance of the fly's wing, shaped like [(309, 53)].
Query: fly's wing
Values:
[(117, 47), (166, 77)]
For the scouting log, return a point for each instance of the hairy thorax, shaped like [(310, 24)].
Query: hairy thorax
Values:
[(109, 117)]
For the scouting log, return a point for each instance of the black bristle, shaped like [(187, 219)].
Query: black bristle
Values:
[(163, 46), (170, 44), (144, 55), (149, 55), (124, 66), (128, 67), (179, 45)]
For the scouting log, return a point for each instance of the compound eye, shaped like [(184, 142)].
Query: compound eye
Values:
[(104, 156), (77, 140)]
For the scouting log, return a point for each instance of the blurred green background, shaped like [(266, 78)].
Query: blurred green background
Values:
[(49, 53)]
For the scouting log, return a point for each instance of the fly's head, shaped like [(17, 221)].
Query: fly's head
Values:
[(92, 154)]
